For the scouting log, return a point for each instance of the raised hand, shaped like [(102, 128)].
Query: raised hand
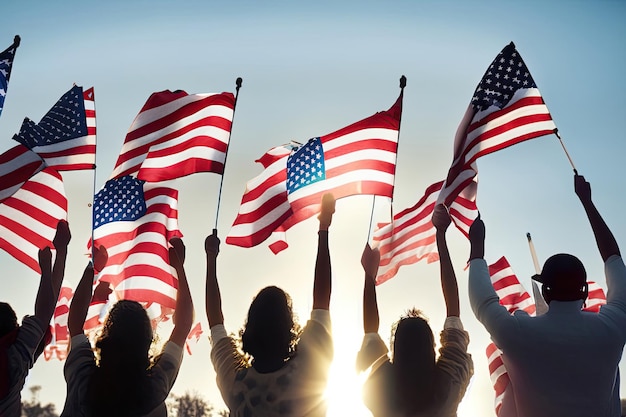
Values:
[(326, 213), (477, 239), (582, 188), (100, 258), (177, 250), (212, 244), (441, 217), (102, 291), (63, 236), (370, 260)]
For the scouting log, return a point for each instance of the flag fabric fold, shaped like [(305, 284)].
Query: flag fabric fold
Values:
[(29, 217), (65, 138), (17, 165), (357, 159), (177, 134), (506, 108), (135, 222), (410, 237), (6, 64), (60, 332)]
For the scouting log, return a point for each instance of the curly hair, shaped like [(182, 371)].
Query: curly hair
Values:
[(271, 331), (118, 386), (413, 352), (8, 319)]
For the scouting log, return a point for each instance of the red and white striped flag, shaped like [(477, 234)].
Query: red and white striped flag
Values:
[(514, 297), (66, 136), (17, 165), (60, 333), (410, 237), (506, 109), (357, 159), (193, 338), (135, 223), (29, 217), (177, 134), (264, 205)]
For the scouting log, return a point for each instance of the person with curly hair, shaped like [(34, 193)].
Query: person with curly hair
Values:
[(413, 381), (282, 371), (124, 380), (20, 346)]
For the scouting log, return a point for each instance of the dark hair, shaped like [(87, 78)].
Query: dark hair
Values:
[(413, 352), (271, 331), (118, 385), (8, 319)]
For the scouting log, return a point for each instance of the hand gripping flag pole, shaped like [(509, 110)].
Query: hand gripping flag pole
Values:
[(238, 83), (369, 230)]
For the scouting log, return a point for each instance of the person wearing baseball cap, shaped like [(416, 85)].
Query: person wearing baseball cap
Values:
[(564, 362)]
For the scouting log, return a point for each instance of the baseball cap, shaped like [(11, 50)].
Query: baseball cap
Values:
[(562, 272)]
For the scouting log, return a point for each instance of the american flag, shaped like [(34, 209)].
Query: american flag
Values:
[(66, 136), (410, 237), (6, 62), (193, 338), (17, 165), (358, 159), (60, 332), (29, 217), (177, 134), (264, 205), (506, 109), (135, 222), (514, 297)]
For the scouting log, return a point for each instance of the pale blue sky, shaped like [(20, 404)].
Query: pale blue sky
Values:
[(309, 69)]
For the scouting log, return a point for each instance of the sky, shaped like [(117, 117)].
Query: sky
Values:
[(310, 68)]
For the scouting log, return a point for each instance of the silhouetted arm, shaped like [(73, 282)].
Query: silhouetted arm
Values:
[(370, 260), (61, 241), (449, 286), (183, 315), (213, 297), (604, 237), (82, 295), (322, 284)]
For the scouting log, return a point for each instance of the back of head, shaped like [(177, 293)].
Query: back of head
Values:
[(271, 332), (413, 350), (8, 319), (118, 385), (564, 278)]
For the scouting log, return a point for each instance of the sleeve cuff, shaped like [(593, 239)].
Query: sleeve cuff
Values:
[(78, 339), (172, 349), (453, 322), (218, 332), (322, 317)]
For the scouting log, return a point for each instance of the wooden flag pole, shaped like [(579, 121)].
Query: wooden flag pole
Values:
[(369, 232), (238, 83), (556, 132), (540, 305)]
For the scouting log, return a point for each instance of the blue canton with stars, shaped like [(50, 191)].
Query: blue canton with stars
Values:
[(121, 199), (306, 165), (6, 61), (65, 121), (507, 74)]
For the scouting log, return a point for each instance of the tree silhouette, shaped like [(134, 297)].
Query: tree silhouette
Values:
[(192, 404), (34, 408)]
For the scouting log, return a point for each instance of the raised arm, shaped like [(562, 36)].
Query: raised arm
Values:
[(213, 297), (370, 260), (51, 278), (604, 238), (82, 295), (183, 315), (449, 286), (322, 284)]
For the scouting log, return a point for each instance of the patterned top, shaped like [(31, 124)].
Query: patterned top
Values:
[(454, 369), (296, 389)]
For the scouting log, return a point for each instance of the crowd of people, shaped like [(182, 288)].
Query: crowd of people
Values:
[(562, 363)]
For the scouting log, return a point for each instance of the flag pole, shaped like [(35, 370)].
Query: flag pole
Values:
[(556, 132), (369, 232), (540, 304), (93, 196), (238, 83)]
